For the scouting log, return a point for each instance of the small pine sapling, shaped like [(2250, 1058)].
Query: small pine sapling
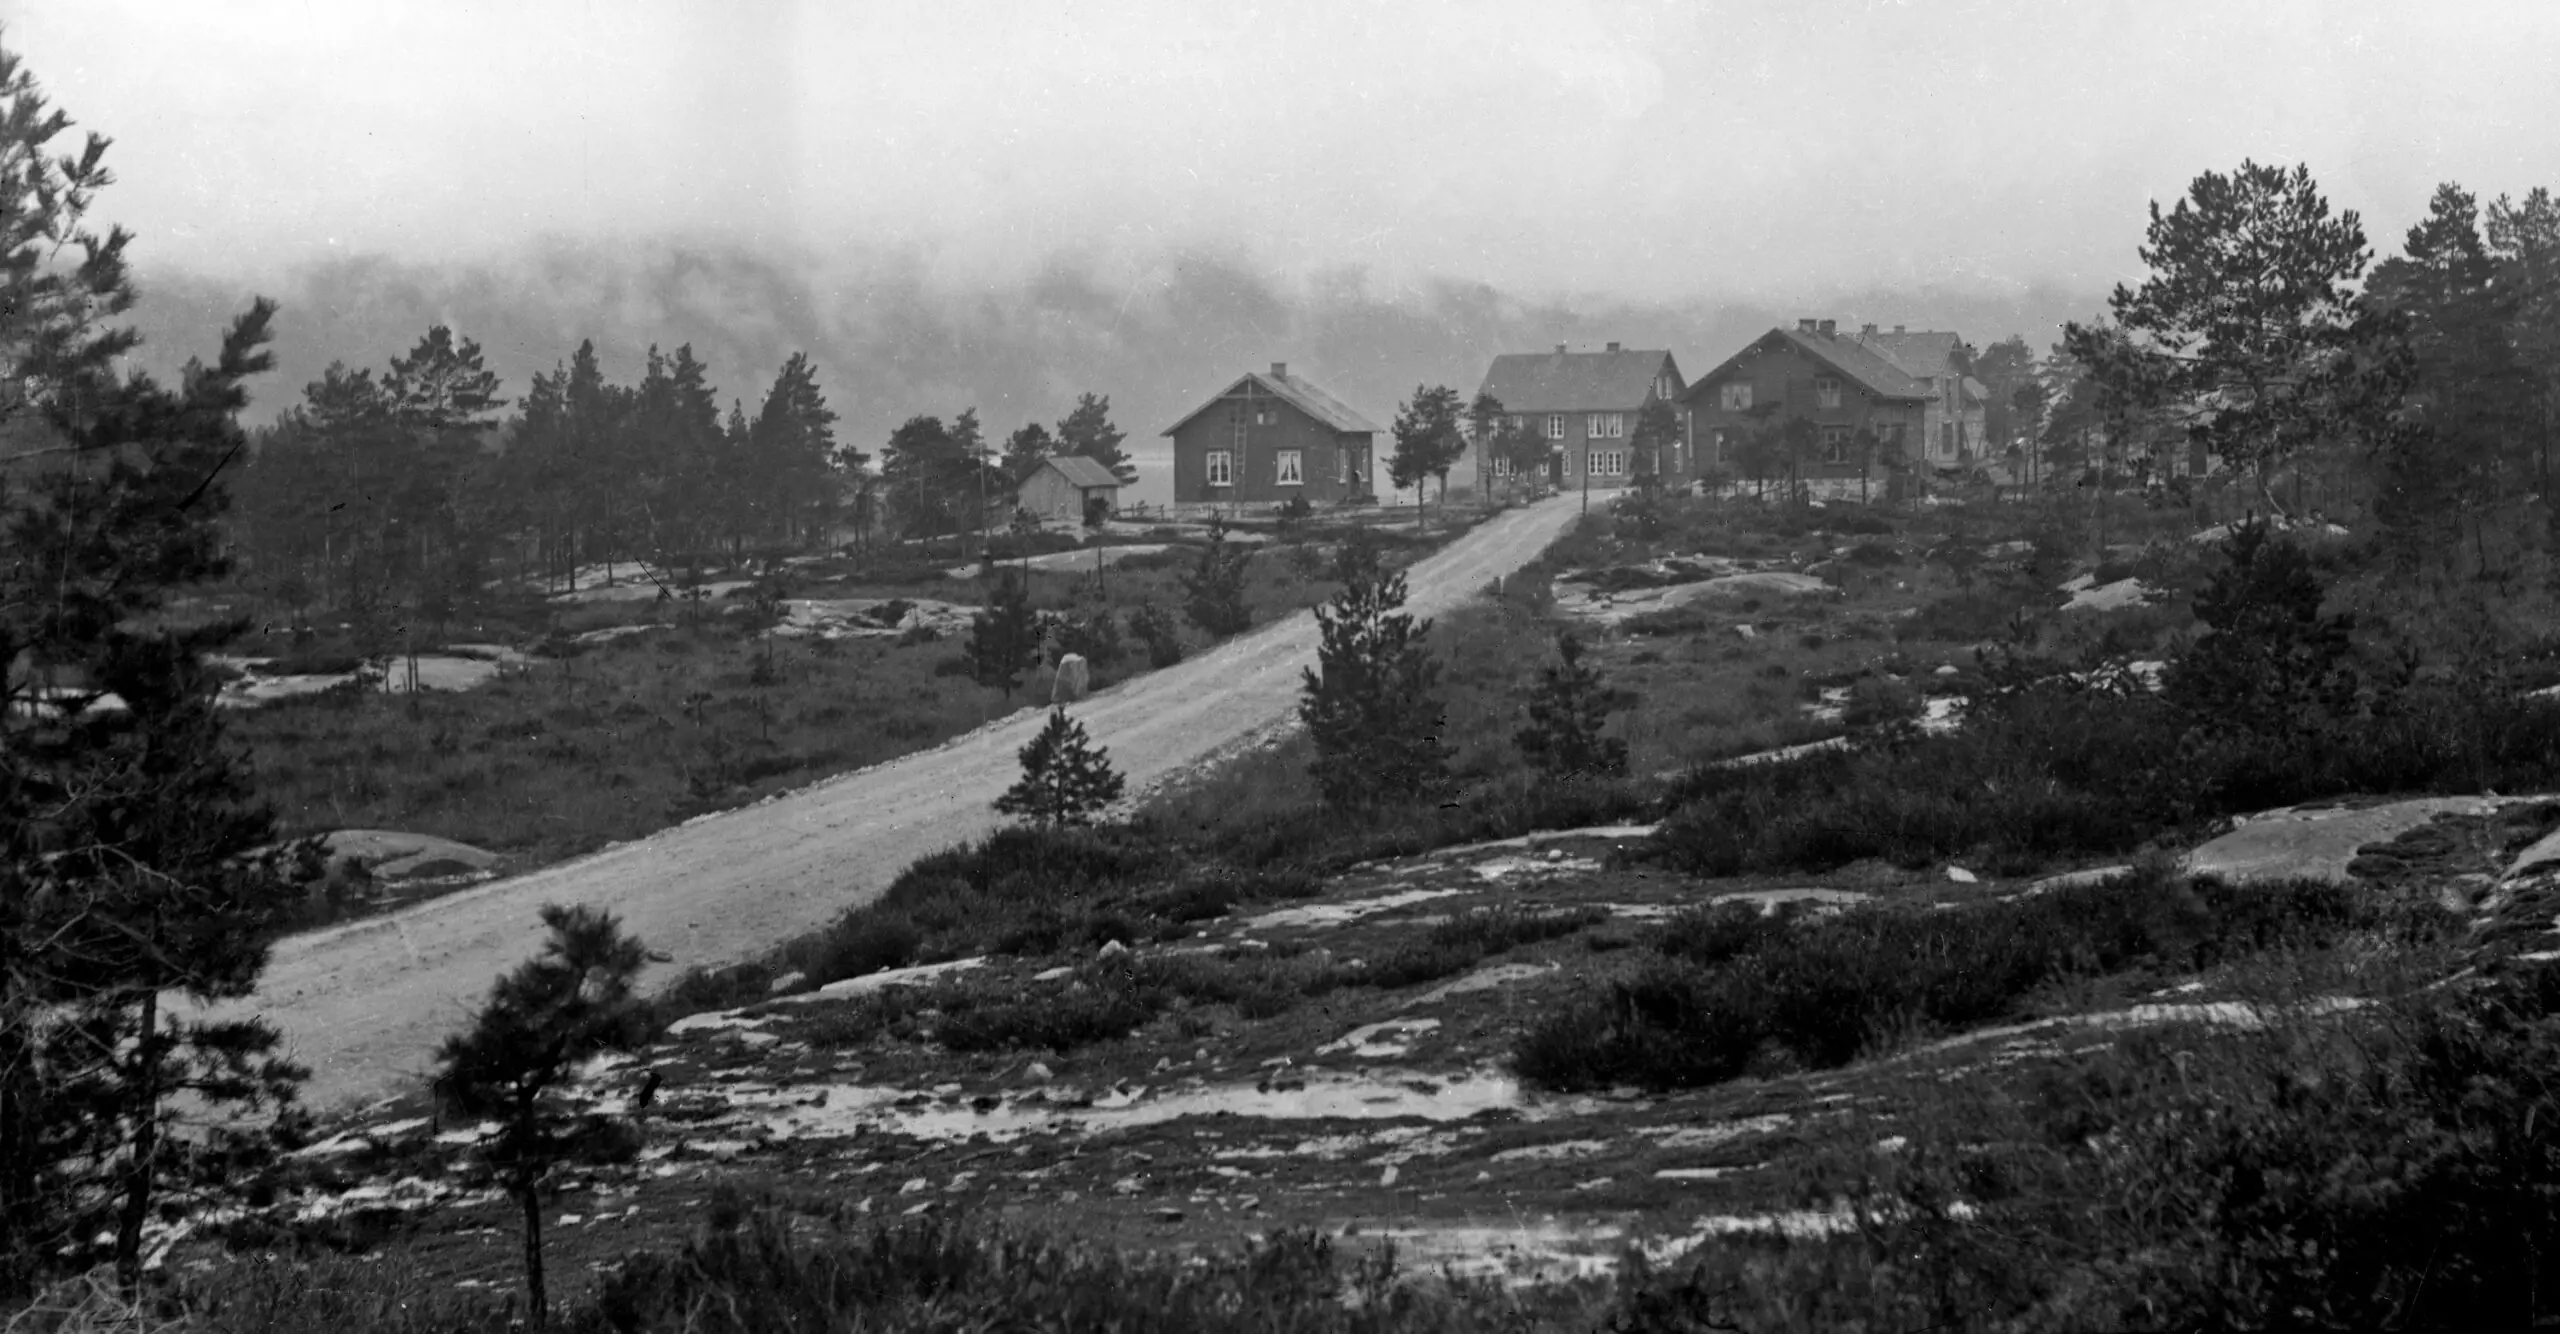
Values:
[(1566, 713), (574, 1000), (1066, 779), (1214, 590), (1004, 639), (1153, 626), (1370, 709)]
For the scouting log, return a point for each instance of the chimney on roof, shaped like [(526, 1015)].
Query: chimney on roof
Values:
[(1279, 370), (1805, 326), (1897, 328), (1613, 347), (1828, 326), (1559, 349), (1867, 329)]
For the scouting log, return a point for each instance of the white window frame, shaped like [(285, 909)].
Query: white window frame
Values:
[(1734, 395), (1605, 462), (1836, 441), (1265, 416), (1555, 426), (1288, 467), (1222, 468), (1826, 391), (1342, 466)]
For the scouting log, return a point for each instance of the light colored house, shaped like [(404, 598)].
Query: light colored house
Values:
[(1268, 438), (1584, 405), (1063, 488), (1953, 421)]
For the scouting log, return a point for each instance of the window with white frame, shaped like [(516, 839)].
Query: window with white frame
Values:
[(1555, 426), (1605, 426), (1350, 467), (1284, 464), (1265, 416), (1947, 439), (1736, 396), (1222, 468), (1835, 444), (1826, 391), (1607, 462), (1502, 467)]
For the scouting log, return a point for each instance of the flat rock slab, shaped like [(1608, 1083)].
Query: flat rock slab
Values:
[(2296, 844), (393, 855)]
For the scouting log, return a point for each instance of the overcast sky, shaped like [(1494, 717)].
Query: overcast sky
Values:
[(1550, 147)]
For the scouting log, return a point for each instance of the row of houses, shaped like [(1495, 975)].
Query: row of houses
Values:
[(1900, 400)]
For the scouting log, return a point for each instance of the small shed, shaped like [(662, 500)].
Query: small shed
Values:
[(1062, 487)]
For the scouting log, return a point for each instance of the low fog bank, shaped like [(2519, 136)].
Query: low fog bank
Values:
[(892, 337)]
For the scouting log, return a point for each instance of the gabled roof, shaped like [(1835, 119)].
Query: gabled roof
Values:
[(1845, 354), (1080, 471), (1307, 398), (1528, 382), (1919, 354)]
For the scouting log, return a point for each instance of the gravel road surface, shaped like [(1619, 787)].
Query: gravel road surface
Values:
[(365, 1004)]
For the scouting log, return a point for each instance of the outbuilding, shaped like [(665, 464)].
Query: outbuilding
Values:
[(1064, 489)]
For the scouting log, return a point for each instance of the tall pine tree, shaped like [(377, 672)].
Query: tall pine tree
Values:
[(134, 864)]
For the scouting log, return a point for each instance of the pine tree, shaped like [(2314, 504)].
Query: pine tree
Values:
[(574, 1000), (1213, 591), (134, 864), (1566, 715), (1066, 779), (793, 442), (2246, 326), (1370, 710), (1087, 430), (1004, 639), (1428, 441), (1024, 450)]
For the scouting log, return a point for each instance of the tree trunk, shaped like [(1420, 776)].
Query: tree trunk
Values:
[(537, 1301), (143, 1106)]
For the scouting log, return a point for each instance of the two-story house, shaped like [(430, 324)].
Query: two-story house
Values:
[(1953, 426), (1864, 411), (1267, 438), (1889, 403), (1585, 405)]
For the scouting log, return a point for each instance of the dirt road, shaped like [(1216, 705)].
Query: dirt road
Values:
[(365, 1004)]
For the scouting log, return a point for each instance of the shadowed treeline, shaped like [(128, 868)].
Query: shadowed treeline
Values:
[(891, 337)]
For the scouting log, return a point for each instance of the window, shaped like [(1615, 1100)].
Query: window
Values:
[(1608, 462), (1721, 441), (1502, 468), (1737, 396), (1222, 468), (1350, 468), (1265, 416), (1555, 426), (1666, 387), (1835, 444), (1826, 392), (1284, 463), (1947, 439)]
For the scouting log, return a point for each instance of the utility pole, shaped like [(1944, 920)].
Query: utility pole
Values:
[(1586, 477)]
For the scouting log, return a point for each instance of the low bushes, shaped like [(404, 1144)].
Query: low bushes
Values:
[(2386, 1170), (1729, 989)]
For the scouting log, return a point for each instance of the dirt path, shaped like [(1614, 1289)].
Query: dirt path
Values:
[(365, 1004)]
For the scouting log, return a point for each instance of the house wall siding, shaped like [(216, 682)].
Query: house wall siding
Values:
[(1320, 457), (1049, 494), (1785, 375)]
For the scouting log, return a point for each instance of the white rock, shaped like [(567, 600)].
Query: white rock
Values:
[(1111, 949), (787, 981), (1962, 876), (1039, 1073), (915, 1186)]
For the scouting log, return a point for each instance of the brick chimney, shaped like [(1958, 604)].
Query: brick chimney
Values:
[(1897, 328), (1559, 349), (1805, 326), (1867, 329), (1279, 370), (1613, 347), (1828, 326)]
